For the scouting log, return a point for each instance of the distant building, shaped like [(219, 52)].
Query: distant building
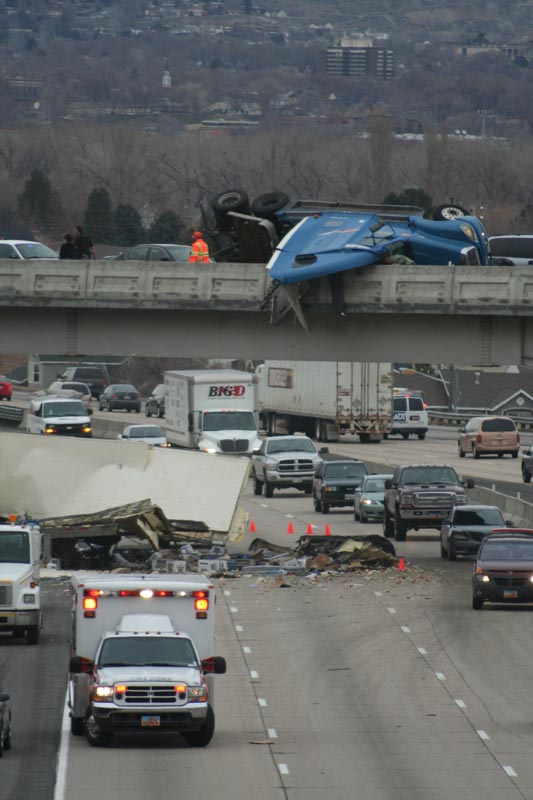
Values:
[(358, 58)]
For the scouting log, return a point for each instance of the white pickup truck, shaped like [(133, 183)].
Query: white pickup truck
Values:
[(143, 656)]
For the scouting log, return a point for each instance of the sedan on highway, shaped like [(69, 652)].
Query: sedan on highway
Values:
[(6, 388), (150, 434), (154, 252), (120, 396), (503, 569), (20, 249), (462, 532), (370, 498), (5, 723)]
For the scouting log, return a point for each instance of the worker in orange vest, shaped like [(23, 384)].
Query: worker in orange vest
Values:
[(199, 249)]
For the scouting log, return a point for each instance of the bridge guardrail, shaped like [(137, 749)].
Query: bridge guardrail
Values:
[(11, 414), (451, 418)]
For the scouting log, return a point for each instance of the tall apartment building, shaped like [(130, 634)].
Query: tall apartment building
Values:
[(359, 58)]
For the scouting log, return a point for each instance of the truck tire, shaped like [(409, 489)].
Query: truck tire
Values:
[(475, 452), (77, 726), (452, 554), (231, 200), (308, 488), (400, 528), (477, 603), (267, 205), (405, 435), (461, 451), (443, 551), (318, 503), (94, 735), (449, 211), (526, 476), (202, 737), (7, 737), (269, 489), (325, 507), (32, 634), (421, 436), (388, 525), (258, 485)]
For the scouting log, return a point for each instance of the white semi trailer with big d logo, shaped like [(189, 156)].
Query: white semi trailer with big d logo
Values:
[(213, 410)]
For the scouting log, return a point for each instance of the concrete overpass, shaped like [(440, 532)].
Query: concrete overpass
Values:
[(464, 315)]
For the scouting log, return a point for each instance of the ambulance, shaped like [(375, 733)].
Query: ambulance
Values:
[(142, 656)]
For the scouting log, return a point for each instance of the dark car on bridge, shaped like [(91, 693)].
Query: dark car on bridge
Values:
[(503, 569), (335, 483), (461, 533), (122, 396)]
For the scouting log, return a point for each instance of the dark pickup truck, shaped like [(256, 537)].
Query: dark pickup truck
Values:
[(421, 496), (527, 464)]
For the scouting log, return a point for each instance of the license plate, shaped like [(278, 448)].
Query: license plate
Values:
[(150, 722), (127, 397), (298, 480), (415, 417), (509, 594)]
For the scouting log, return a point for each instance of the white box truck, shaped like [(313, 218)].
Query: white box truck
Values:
[(142, 656), (326, 399), (213, 410), (20, 596)]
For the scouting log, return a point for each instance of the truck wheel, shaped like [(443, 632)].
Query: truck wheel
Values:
[(325, 507), (32, 634), (475, 452), (461, 451), (308, 488), (258, 486), (526, 476), (388, 526), (267, 205), (7, 737), (477, 603), (318, 504), (364, 438), (231, 200), (515, 454), (77, 726), (452, 554), (443, 551), (202, 737), (94, 735), (400, 528), (269, 490), (405, 435), (421, 436), (447, 212), (362, 519)]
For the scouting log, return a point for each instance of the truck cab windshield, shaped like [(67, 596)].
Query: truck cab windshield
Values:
[(71, 408), (147, 652), (14, 548), (229, 420)]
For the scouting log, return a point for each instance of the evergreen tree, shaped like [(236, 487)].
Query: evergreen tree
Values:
[(411, 196), (167, 228), (128, 225), (98, 220), (39, 202)]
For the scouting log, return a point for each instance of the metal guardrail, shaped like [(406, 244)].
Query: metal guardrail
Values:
[(11, 414)]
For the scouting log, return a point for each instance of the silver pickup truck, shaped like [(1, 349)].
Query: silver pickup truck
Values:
[(284, 462)]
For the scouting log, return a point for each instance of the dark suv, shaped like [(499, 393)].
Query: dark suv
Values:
[(95, 376), (335, 483), (503, 569)]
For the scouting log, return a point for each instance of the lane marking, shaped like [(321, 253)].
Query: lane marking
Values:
[(461, 704), (234, 609), (272, 733), (262, 702), (422, 651), (62, 755), (378, 594), (264, 505), (440, 676), (239, 628), (510, 771), (483, 735), (227, 593), (291, 516), (406, 629), (253, 674), (246, 650), (391, 610), (283, 768)]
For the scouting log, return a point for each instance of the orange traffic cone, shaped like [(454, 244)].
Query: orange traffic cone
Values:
[(327, 532), (309, 529), (253, 529), (401, 565), (290, 529)]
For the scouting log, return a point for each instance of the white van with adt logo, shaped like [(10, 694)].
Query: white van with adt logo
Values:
[(61, 416), (409, 416)]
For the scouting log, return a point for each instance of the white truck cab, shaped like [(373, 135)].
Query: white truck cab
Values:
[(143, 656), (20, 597), (61, 416)]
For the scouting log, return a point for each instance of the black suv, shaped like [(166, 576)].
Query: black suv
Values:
[(503, 569), (335, 483), (95, 376)]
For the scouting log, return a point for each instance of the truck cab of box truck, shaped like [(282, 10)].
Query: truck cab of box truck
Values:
[(143, 656), (20, 597)]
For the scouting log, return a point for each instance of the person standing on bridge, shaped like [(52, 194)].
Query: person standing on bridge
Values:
[(84, 244), (199, 249), (68, 248)]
